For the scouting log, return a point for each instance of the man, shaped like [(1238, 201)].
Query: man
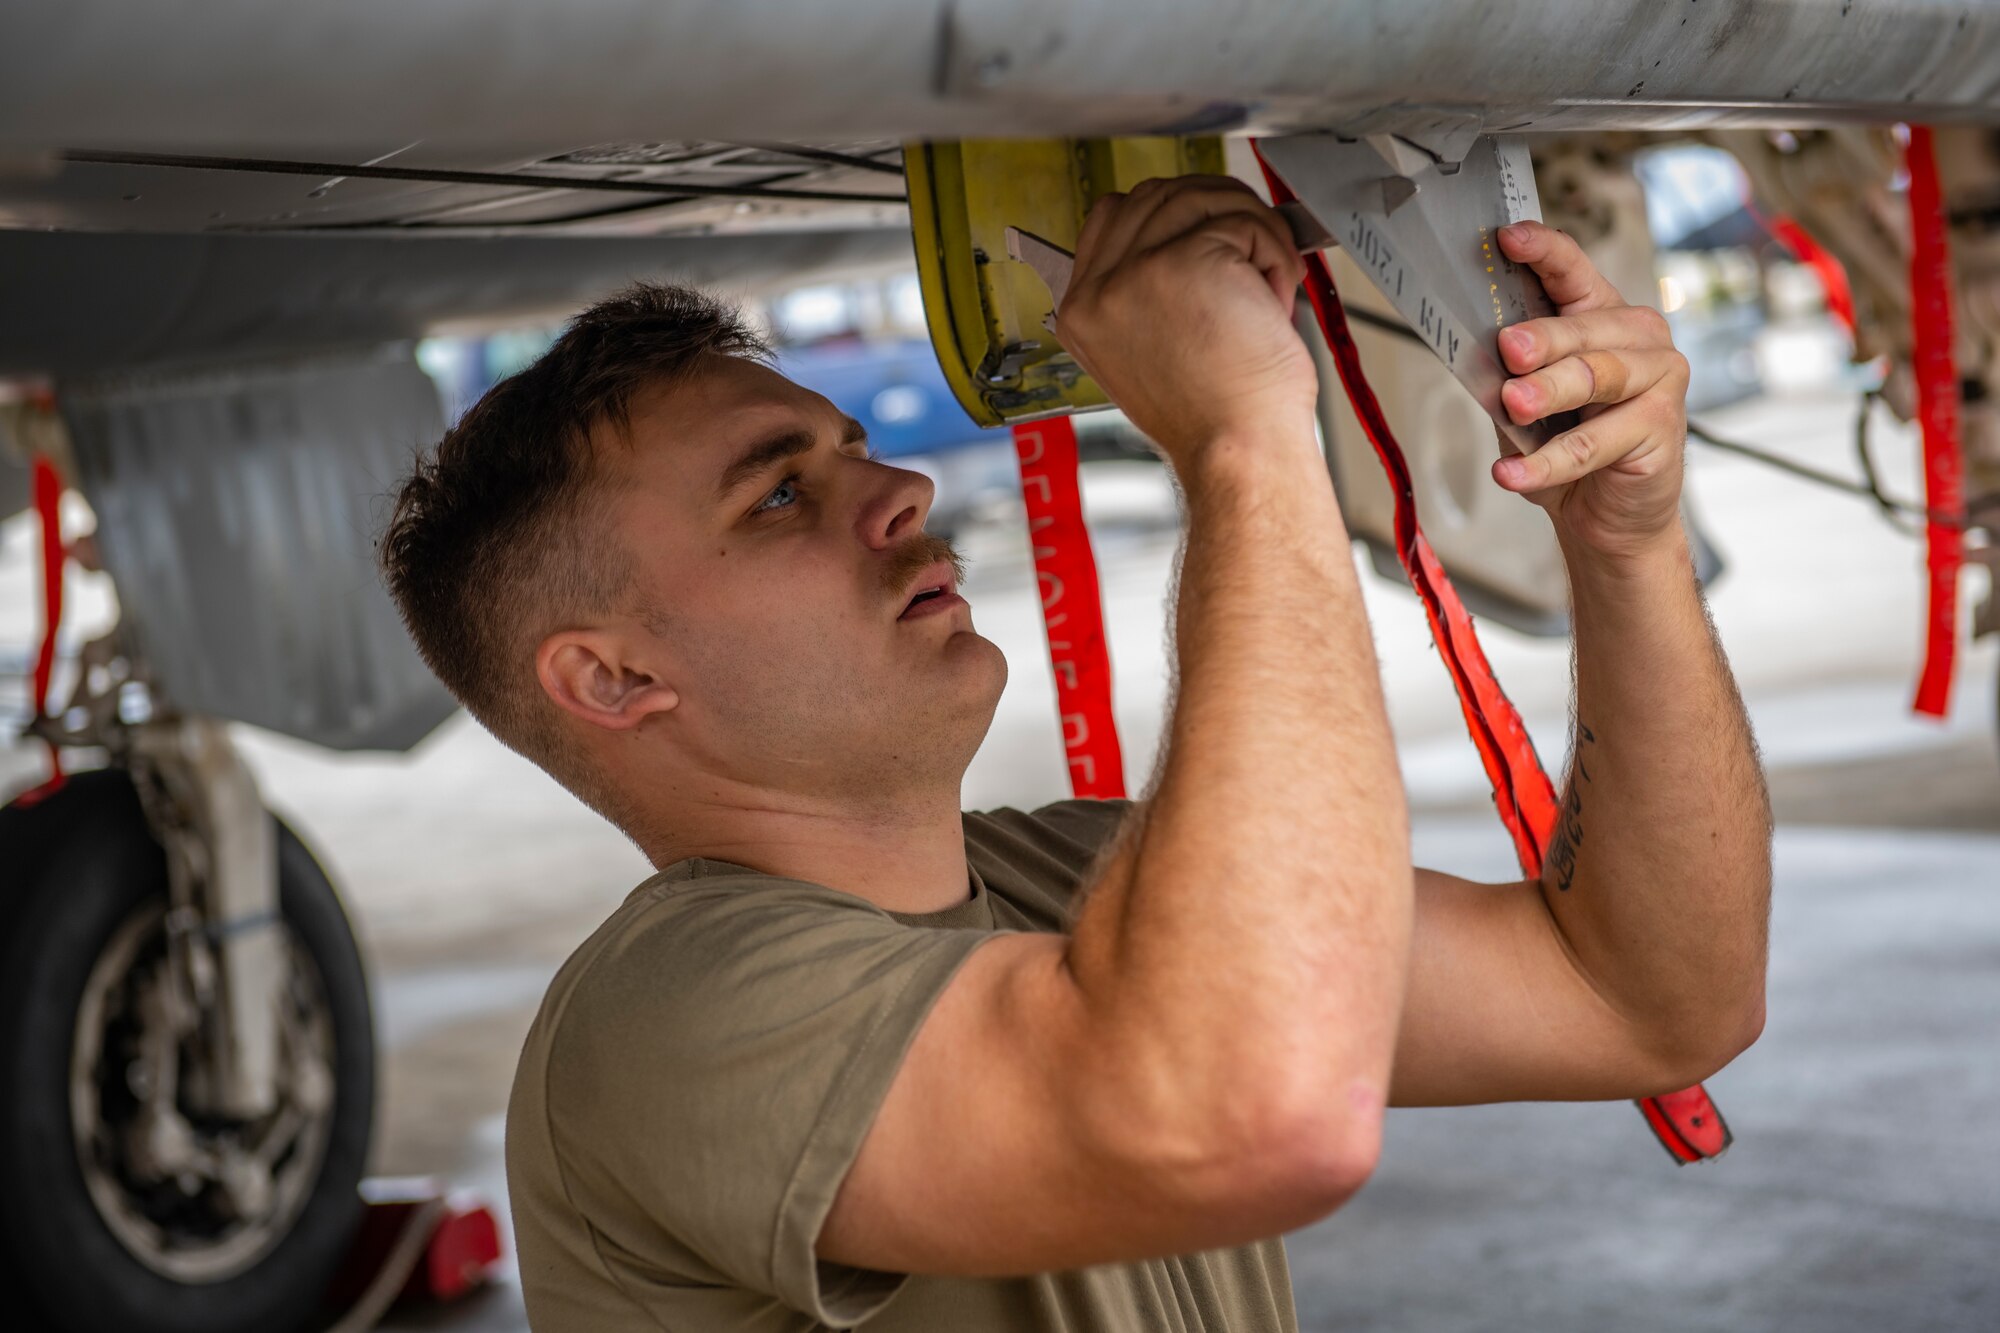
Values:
[(852, 1055)]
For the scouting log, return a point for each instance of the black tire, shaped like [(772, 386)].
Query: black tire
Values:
[(75, 867)]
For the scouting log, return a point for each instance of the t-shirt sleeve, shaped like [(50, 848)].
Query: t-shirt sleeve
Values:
[(716, 1070)]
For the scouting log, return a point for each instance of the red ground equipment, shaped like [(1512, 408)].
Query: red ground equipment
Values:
[(419, 1244)]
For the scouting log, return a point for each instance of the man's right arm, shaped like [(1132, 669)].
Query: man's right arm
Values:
[(1204, 1060)]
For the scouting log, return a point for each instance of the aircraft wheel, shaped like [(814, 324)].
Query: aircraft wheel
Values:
[(122, 1204)]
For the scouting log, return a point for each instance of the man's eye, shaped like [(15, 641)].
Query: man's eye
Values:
[(782, 496)]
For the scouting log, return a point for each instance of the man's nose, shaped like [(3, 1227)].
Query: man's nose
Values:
[(897, 508)]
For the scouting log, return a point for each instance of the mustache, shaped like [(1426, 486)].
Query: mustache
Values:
[(916, 555)]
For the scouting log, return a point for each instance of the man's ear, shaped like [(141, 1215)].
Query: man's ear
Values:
[(591, 674)]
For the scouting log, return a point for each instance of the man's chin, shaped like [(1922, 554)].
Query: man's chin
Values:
[(960, 689), (972, 652)]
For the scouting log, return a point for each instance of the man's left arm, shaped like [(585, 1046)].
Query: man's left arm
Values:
[(1635, 964)]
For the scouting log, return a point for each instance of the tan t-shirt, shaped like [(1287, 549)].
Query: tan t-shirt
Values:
[(703, 1071)]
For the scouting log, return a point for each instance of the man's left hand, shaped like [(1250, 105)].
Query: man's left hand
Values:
[(1612, 484)]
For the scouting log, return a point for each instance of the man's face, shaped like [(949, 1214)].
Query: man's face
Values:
[(782, 564)]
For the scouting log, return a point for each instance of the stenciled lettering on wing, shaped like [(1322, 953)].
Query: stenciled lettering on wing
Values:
[(1372, 252), (1438, 329)]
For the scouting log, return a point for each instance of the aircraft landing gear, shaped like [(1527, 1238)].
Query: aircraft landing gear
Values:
[(138, 1190)]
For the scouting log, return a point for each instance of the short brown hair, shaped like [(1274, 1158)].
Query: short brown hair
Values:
[(488, 549)]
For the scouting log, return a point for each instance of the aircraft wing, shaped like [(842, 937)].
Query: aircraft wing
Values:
[(523, 80)]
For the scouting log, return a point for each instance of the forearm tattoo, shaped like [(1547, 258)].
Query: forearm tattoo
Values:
[(1569, 818)]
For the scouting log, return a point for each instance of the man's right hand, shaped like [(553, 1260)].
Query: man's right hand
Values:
[(1180, 306)]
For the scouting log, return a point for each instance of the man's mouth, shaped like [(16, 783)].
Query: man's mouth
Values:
[(934, 587)]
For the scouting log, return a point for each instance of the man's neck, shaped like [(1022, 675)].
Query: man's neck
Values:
[(910, 859)]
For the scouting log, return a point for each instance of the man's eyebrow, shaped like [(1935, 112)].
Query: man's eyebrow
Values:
[(775, 449)]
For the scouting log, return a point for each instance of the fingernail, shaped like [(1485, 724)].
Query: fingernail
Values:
[(1511, 471), (1517, 340), (1515, 231)]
